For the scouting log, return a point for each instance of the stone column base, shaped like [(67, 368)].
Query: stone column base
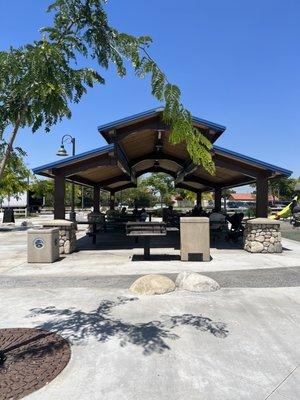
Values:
[(67, 234), (262, 235)]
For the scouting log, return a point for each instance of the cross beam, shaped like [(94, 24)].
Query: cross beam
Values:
[(202, 181), (156, 169), (187, 187), (157, 156), (186, 170), (123, 187), (115, 179)]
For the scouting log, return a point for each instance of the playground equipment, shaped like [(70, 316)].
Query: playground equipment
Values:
[(296, 208), (284, 213), (292, 209)]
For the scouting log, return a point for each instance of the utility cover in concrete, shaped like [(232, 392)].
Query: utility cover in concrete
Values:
[(152, 284), (194, 282)]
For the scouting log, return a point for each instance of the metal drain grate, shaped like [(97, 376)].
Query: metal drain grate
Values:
[(31, 359)]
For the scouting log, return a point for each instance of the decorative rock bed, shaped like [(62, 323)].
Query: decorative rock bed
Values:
[(262, 235), (67, 234)]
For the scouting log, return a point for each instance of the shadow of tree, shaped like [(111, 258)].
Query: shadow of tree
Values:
[(77, 326)]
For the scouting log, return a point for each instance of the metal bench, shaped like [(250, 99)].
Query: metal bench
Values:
[(146, 230)]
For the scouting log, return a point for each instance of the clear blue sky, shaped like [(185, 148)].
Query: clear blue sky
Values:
[(237, 63)]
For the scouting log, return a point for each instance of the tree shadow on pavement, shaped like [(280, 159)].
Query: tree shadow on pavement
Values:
[(77, 326)]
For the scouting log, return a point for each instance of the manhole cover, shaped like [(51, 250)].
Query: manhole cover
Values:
[(33, 358)]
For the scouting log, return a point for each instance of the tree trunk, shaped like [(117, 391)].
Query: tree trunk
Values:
[(9, 148)]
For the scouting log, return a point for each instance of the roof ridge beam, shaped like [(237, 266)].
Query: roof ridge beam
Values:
[(156, 156)]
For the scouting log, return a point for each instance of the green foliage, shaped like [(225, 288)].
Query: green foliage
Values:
[(45, 188), (81, 27), (15, 179), (140, 196), (38, 81), (283, 188), (161, 185), (37, 84), (186, 194)]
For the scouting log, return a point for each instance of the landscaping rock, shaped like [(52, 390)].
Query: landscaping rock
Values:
[(152, 284), (195, 282), (27, 223), (256, 247)]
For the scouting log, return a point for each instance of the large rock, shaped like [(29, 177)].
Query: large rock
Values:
[(195, 282), (256, 247), (152, 284)]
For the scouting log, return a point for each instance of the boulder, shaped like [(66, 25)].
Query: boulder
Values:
[(152, 284), (256, 247), (195, 282), (27, 223), (278, 247)]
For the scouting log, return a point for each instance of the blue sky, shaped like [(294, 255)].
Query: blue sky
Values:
[(237, 63)]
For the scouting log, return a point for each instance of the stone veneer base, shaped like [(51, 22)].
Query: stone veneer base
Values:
[(262, 235), (67, 234)]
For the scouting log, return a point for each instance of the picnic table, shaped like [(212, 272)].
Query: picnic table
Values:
[(146, 230), (94, 228)]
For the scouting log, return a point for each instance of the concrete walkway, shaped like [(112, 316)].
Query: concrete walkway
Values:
[(241, 342)]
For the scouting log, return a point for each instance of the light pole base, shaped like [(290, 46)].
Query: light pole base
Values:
[(72, 216)]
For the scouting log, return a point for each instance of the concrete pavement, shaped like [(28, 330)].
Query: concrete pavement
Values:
[(241, 342), (231, 344)]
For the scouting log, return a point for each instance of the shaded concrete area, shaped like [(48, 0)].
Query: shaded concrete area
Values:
[(231, 344)]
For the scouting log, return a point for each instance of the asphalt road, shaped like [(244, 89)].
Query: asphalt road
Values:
[(251, 278)]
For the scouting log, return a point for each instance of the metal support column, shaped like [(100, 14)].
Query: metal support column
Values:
[(262, 197), (218, 198), (59, 197), (96, 199), (199, 199)]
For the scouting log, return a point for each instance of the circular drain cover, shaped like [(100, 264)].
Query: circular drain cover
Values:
[(32, 358)]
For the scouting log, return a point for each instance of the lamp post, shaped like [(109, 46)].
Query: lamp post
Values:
[(63, 153)]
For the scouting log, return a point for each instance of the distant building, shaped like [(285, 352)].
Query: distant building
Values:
[(248, 197), (23, 200), (241, 197)]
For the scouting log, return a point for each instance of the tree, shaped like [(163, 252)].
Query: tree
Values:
[(161, 185), (39, 81), (283, 187), (140, 197), (16, 176), (44, 188)]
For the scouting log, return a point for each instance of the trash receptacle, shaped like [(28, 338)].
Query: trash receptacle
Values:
[(42, 245), (194, 239), (8, 215)]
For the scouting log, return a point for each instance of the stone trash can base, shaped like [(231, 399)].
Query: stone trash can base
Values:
[(262, 235), (67, 234)]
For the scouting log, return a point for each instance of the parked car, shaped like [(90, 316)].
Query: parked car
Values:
[(158, 206), (232, 204)]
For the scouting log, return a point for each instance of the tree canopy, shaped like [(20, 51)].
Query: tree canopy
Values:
[(40, 80), (16, 176), (283, 188)]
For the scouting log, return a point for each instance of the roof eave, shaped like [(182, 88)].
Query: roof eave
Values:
[(254, 161)]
